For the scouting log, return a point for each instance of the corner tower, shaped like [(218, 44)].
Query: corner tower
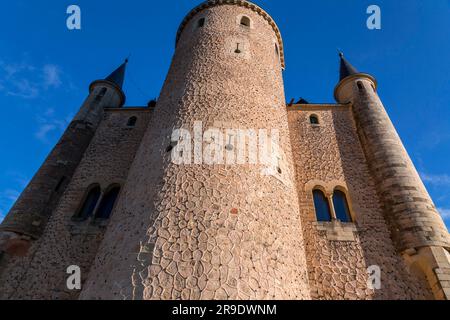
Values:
[(418, 230), (202, 229), (29, 215)]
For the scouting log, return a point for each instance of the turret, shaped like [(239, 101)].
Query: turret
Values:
[(29, 215), (103, 93), (417, 229)]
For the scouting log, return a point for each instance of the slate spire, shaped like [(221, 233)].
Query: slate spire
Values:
[(346, 68), (117, 76)]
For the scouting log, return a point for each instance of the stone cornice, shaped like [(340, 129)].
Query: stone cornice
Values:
[(112, 84), (351, 78), (242, 3)]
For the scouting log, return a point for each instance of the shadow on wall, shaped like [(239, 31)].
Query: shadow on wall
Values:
[(373, 232)]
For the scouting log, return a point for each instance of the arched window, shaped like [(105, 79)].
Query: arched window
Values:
[(360, 85), (107, 203), (313, 119), (341, 206), (201, 23), (101, 94), (323, 212), (132, 122), (245, 21), (89, 204)]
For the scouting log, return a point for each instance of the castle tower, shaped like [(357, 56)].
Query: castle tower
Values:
[(29, 215), (417, 229), (207, 228)]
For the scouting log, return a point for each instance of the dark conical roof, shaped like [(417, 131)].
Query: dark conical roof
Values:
[(117, 76), (346, 68)]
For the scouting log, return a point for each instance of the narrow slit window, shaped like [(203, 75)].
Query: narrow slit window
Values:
[(60, 184), (238, 50), (323, 211), (201, 23)]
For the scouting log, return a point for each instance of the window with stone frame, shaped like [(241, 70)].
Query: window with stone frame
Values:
[(341, 206), (322, 206), (107, 203), (90, 202), (245, 21)]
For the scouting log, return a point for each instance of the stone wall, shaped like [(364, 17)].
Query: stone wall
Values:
[(41, 273), (203, 231), (30, 213), (418, 231), (408, 206), (338, 255), (228, 230)]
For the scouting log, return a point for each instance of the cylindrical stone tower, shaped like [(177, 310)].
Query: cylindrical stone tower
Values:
[(207, 228), (417, 228)]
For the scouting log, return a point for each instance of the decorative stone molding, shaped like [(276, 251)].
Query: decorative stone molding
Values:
[(338, 231), (242, 3), (434, 264), (328, 188)]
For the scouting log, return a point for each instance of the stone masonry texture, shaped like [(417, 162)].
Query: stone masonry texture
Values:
[(223, 231), (409, 210), (209, 231), (404, 195), (42, 273), (331, 155)]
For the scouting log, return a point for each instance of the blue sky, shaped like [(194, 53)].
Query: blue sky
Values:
[(45, 69)]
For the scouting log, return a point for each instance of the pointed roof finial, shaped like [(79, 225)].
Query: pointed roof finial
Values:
[(346, 69), (117, 76)]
